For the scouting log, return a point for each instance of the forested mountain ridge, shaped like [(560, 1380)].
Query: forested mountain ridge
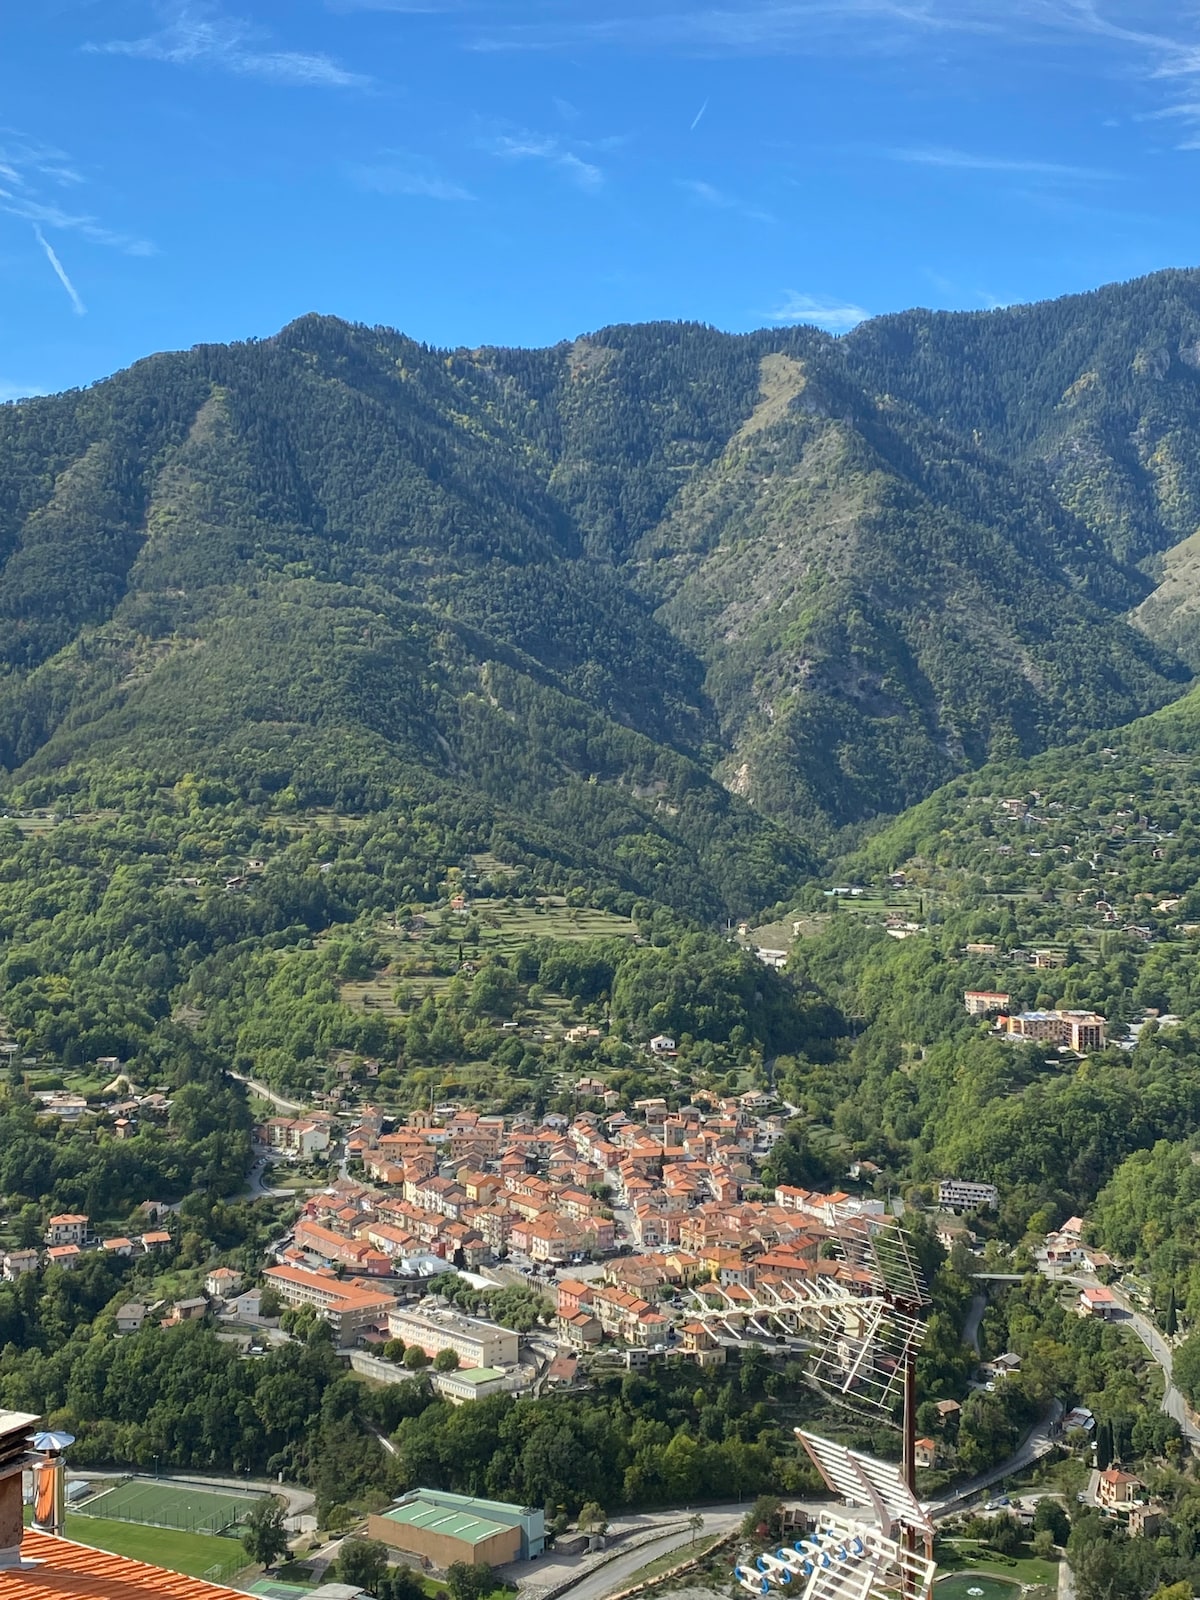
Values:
[(644, 590), (1099, 393)]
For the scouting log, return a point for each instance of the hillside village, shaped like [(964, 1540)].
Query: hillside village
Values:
[(594, 1191), (647, 1233)]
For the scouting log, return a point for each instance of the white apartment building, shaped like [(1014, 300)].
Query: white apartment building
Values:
[(955, 1194), (475, 1342), (296, 1136)]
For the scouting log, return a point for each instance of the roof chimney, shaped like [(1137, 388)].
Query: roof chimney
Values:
[(50, 1482), (16, 1437)]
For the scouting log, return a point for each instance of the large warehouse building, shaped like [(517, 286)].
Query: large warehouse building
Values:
[(457, 1527)]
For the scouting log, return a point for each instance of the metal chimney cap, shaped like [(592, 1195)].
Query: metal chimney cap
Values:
[(53, 1441)]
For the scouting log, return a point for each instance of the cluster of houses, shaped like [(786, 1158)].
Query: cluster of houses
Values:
[(221, 1285), (69, 1237), (469, 1187), (1039, 960), (1096, 846), (1065, 1248), (663, 1198)]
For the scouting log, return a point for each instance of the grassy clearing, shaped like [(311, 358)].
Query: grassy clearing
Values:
[(963, 1555), (904, 903), (193, 1554), (309, 821)]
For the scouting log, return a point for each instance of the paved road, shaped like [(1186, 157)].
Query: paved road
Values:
[(974, 1318), (616, 1573), (613, 1574), (383, 1439), (258, 1189), (1066, 1580), (597, 1582), (1172, 1402), (265, 1093), (1036, 1444)]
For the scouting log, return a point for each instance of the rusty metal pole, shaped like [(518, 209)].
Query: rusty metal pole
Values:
[(908, 1536)]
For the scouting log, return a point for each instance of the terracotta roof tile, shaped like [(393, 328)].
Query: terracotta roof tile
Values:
[(68, 1571)]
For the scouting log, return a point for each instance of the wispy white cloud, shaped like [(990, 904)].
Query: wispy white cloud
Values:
[(31, 172), (969, 161), (409, 7), (754, 26), (399, 174), (25, 161), (524, 146), (196, 33), (60, 272), (11, 390), (836, 316), (708, 194), (1155, 40), (45, 214)]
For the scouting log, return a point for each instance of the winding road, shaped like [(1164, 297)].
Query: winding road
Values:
[(1038, 1442), (598, 1581), (613, 1574), (974, 1318), (1172, 1401)]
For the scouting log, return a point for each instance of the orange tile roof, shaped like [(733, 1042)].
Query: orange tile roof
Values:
[(68, 1571)]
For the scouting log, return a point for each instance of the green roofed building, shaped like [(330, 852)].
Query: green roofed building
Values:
[(476, 1383), (458, 1527)]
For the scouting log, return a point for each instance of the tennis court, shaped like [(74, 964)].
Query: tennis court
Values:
[(170, 1505)]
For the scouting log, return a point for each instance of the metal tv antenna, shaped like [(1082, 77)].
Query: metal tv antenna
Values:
[(848, 1558), (841, 1560), (861, 1321)]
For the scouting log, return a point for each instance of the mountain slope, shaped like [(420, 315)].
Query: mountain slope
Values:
[(590, 584), (882, 605), (1100, 393)]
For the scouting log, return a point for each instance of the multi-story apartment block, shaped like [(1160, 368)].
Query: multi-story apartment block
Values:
[(983, 1002), (1081, 1031), (475, 1342), (955, 1194), (346, 1307), (300, 1137)]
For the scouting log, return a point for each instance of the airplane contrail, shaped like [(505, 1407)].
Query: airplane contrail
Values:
[(696, 118), (60, 272)]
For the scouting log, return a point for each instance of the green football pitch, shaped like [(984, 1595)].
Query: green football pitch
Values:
[(169, 1505)]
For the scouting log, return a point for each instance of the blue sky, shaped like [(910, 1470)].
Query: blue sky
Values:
[(520, 171)]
